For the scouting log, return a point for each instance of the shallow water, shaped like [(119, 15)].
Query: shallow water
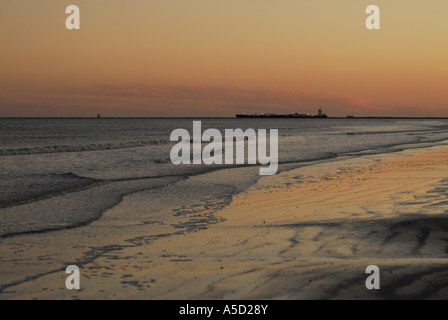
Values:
[(63, 179), (43, 158)]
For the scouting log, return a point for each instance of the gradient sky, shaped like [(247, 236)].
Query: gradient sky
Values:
[(221, 57)]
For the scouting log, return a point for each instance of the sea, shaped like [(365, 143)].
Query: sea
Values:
[(73, 189)]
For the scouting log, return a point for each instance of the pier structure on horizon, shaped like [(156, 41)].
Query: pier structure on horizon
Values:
[(320, 114)]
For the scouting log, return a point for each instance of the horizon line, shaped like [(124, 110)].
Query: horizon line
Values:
[(218, 117)]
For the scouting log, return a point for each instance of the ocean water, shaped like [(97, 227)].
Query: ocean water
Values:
[(74, 189), (44, 158)]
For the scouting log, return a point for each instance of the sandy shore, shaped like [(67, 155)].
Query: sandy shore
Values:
[(307, 233)]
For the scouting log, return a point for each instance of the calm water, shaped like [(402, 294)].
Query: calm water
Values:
[(74, 190), (46, 158)]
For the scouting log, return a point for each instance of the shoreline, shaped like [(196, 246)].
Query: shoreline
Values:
[(307, 233)]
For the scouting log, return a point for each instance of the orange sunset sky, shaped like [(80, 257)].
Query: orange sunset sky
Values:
[(221, 57)]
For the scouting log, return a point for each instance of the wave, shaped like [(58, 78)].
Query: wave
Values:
[(78, 148), (42, 186), (410, 132)]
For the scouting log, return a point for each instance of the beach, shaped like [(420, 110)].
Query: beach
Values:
[(305, 233), (187, 151)]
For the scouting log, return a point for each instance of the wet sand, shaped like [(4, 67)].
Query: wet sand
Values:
[(308, 233)]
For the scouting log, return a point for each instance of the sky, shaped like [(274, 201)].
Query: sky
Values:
[(158, 58)]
